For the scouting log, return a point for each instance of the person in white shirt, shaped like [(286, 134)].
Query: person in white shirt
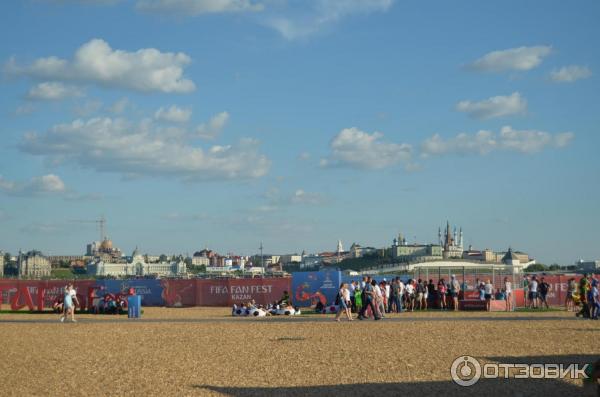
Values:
[(379, 299), (344, 296), (533, 290), (508, 294), (410, 293), (488, 289)]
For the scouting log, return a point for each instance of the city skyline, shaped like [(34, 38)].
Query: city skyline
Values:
[(224, 124)]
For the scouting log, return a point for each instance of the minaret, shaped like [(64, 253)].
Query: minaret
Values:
[(440, 235), (454, 239), (460, 241), (448, 235)]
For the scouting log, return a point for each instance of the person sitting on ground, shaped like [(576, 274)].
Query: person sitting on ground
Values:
[(285, 298)]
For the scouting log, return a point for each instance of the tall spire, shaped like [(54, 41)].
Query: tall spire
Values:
[(460, 241)]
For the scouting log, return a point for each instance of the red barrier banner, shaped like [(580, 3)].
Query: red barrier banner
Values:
[(37, 295), (230, 291)]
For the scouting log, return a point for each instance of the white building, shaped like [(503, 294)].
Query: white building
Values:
[(137, 266), (34, 264), (588, 266)]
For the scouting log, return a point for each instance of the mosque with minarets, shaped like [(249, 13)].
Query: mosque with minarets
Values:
[(449, 246)]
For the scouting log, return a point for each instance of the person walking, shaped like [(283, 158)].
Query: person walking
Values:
[(358, 298), (410, 296), (594, 299), (368, 300), (345, 304), (508, 294), (68, 305), (379, 299)]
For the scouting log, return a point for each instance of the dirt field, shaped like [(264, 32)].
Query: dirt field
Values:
[(203, 351)]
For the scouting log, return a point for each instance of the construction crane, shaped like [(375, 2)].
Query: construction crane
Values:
[(100, 222)]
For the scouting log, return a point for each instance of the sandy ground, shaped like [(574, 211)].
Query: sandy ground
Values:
[(203, 351)]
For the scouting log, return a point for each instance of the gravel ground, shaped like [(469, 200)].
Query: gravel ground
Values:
[(203, 351)]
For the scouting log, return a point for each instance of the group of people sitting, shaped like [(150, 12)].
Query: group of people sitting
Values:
[(281, 307), (104, 302)]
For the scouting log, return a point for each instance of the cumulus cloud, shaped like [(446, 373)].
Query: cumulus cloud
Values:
[(484, 142), (52, 91), (173, 114), (198, 7), (213, 128), (355, 148), (45, 184), (95, 62), (496, 106), (569, 74), (135, 149), (317, 15), (519, 59)]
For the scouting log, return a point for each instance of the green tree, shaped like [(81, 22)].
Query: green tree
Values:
[(537, 267)]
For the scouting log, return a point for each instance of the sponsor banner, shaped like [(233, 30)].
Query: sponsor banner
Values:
[(178, 293), (311, 287), (149, 289), (226, 292)]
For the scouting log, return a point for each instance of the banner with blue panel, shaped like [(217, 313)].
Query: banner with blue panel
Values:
[(150, 290), (310, 287)]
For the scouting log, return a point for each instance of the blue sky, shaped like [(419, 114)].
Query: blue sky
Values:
[(224, 123)]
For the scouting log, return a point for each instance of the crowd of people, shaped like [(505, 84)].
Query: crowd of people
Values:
[(370, 298)]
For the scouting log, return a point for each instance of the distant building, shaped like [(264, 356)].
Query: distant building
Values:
[(311, 261), (290, 259), (357, 251), (33, 264), (57, 259), (588, 266), (137, 266), (103, 249), (1, 264), (416, 252), (200, 260)]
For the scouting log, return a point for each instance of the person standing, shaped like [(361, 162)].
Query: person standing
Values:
[(526, 291), (533, 291), (441, 288), (379, 299), (571, 288), (410, 296), (543, 288), (508, 294), (454, 291), (425, 295), (352, 288), (358, 297), (594, 300), (488, 290)]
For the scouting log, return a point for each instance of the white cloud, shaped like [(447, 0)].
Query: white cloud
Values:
[(87, 108), (145, 149), (173, 114), (483, 142), (52, 91), (119, 106), (24, 109), (214, 126), (497, 106), (319, 14), (569, 74), (307, 198), (46, 184), (355, 148), (144, 70), (520, 59), (197, 7)]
